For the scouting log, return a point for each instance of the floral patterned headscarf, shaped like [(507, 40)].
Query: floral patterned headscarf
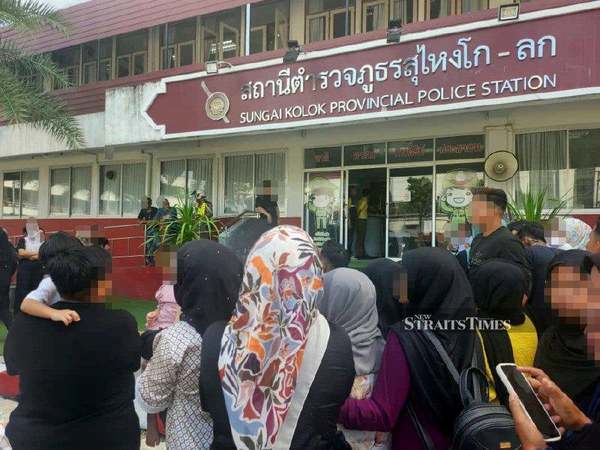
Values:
[(263, 345)]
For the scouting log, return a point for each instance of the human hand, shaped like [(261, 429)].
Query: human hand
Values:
[(556, 401), (529, 435), (151, 318), (66, 316), (152, 434)]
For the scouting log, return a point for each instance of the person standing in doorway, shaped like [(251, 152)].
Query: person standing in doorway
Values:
[(145, 217), (30, 269), (352, 218), (362, 211)]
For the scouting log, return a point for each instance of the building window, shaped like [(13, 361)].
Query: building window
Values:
[(269, 26), (584, 160), (179, 47), (439, 8), (122, 188), (221, 35), (71, 191), (328, 19), (184, 177), (68, 61), (247, 176), (20, 194), (96, 61), (474, 5), (132, 54), (563, 164), (375, 15), (404, 10)]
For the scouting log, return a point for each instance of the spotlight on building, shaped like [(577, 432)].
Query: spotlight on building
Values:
[(394, 31), (508, 12), (293, 51), (213, 67)]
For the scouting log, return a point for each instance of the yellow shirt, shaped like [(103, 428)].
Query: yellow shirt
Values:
[(524, 341), (363, 208)]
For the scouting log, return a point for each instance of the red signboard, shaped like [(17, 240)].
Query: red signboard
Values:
[(536, 58)]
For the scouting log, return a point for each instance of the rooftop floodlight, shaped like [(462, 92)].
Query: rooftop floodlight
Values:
[(508, 12), (213, 67), (293, 51), (394, 31)]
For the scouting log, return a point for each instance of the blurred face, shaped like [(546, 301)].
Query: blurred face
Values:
[(568, 294), (592, 330), (167, 261), (400, 288), (593, 245), (482, 211)]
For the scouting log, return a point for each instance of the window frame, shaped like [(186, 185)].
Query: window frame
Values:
[(70, 207), (121, 164), (20, 172), (188, 158), (222, 171), (367, 3), (568, 130)]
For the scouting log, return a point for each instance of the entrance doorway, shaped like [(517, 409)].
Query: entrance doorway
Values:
[(366, 206)]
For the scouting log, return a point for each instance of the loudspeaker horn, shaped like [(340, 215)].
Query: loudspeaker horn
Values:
[(501, 166)]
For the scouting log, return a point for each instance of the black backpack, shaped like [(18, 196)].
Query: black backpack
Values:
[(481, 425)]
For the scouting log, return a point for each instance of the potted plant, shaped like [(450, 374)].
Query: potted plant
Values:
[(530, 206), (183, 225)]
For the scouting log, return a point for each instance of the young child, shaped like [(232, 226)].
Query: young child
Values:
[(38, 302), (167, 313)]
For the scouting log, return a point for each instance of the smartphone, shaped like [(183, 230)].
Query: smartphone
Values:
[(516, 382)]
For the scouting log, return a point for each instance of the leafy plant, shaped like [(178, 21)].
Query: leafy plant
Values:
[(183, 225), (530, 206), (23, 75)]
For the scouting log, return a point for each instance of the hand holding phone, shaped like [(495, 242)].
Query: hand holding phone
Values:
[(516, 383), (571, 417)]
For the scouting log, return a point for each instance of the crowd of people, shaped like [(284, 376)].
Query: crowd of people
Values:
[(292, 349)]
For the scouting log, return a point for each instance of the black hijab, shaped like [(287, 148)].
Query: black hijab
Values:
[(437, 287), (498, 287), (8, 254), (384, 273), (209, 276), (562, 350)]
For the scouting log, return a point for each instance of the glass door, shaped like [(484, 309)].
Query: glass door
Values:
[(323, 212), (410, 207)]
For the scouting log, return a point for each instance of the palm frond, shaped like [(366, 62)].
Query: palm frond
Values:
[(20, 103), (533, 206), (30, 15), (24, 64)]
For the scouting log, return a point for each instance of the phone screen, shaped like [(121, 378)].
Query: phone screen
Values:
[(530, 401)]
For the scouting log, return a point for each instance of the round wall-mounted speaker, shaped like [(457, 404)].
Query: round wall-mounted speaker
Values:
[(501, 166)]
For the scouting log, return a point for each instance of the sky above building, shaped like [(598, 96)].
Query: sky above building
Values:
[(59, 4)]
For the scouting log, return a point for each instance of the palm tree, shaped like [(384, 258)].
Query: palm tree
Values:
[(23, 75)]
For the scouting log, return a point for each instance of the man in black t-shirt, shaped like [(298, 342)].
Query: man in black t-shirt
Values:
[(266, 204), (495, 241)]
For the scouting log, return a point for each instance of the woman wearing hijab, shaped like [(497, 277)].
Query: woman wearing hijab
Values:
[(276, 374), (582, 424), (574, 234), (387, 276), (8, 265), (30, 271), (412, 378), (563, 352), (208, 281), (350, 302), (500, 289)]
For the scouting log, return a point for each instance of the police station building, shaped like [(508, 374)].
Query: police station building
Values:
[(319, 101)]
